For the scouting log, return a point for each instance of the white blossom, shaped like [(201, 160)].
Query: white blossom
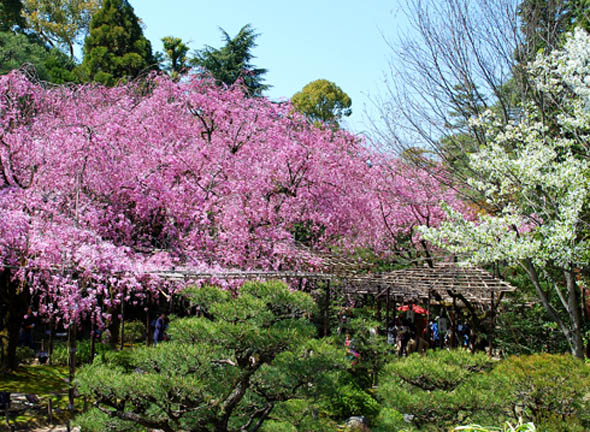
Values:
[(537, 173)]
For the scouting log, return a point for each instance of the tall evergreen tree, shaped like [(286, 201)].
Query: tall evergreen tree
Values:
[(233, 61), (116, 48), (543, 24), (174, 59), (50, 64), (10, 14)]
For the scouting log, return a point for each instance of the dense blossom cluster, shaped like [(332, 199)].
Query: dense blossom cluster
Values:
[(100, 186), (536, 173)]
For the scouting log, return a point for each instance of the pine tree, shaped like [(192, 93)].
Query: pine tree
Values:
[(174, 59), (232, 61), (10, 15), (116, 49)]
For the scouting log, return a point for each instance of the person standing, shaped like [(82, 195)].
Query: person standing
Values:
[(26, 331), (159, 328)]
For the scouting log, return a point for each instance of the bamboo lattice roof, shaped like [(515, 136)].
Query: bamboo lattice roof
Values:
[(475, 284)]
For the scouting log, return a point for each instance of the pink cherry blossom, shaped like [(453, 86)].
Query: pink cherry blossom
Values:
[(100, 187)]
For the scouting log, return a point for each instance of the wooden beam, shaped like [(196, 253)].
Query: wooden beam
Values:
[(327, 309)]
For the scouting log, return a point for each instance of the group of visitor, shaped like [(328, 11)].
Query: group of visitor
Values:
[(415, 333), (25, 337)]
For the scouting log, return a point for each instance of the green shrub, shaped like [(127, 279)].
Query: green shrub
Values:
[(372, 347), (24, 355), (134, 331), (526, 427), (442, 388), (547, 389), (60, 356), (441, 369), (390, 420), (351, 400), (94, 420)]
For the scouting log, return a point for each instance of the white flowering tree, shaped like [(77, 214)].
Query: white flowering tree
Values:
[(535, 173)]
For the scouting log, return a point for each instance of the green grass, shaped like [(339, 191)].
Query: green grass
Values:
[(40, 380), (43, 381)]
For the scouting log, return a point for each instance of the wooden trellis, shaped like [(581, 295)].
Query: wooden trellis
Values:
[(444, 281), (474, 284)]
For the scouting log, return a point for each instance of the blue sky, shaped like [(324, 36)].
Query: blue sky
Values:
[(300, 41)]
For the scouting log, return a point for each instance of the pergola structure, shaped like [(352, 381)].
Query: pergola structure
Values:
[(444, 282)]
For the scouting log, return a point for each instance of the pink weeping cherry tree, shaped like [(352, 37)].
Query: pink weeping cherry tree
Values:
[(101, 186)]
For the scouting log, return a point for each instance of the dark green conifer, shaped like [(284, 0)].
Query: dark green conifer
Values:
[(116, 48), (233, 61)]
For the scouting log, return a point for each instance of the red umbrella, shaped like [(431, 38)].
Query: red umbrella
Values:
[(417, 309)]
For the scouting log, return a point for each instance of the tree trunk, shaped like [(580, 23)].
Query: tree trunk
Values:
[(12, 323), (16, 306), (122, 325), (92, 338), (114, 328), (572, 328), (575, 314)]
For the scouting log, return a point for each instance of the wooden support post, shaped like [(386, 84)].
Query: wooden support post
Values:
[(492, 324), (428, 331), (92, 338), (378, 304), (122, 324), (6, 416), (50, 348), (50, 410), (394, 309), (148, 326), (327, 309), (72, 361), (454, 338), (44, 338), (387, 310)]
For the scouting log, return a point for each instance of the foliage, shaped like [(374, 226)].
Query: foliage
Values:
[(176, 60), (95, 420), (443, 388), (541, 205), (35, 379), (134, 331), (18, 50), (526, 427), (351, 400), (547, 388), (322, 101), (524, 327), (62, 23), (371, 346), (24, 355), (225, 371), (545, 22), (232, 62), (390, 420), (61, 355), (10, 15), (115, 48), (440, 388)]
